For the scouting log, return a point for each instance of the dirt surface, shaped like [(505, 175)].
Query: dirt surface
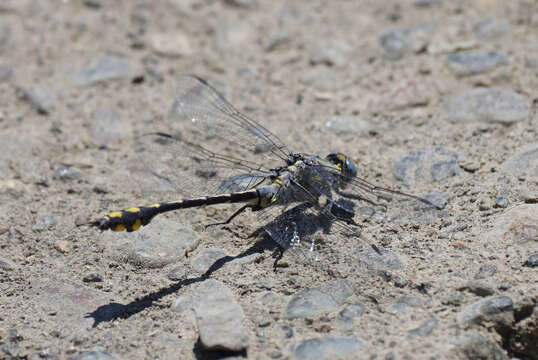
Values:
[(430, 97)]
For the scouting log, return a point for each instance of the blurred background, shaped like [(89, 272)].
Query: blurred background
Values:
[(427, 95)]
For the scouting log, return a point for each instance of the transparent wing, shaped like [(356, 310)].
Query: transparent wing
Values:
[(317, 240), (200, 107), (164, 164)]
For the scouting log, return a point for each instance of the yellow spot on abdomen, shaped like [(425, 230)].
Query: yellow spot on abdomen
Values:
[(119, 227), (155, 205), (137, 224), (115, 214), (133, 210)]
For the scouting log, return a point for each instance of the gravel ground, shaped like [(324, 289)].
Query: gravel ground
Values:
[(429, 96)]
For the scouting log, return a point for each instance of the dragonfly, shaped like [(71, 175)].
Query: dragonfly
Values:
[(309, 205)]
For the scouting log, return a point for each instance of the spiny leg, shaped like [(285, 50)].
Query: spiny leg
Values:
[(239, 211)]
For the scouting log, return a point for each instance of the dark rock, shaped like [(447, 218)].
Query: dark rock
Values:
[(92, 277), (473, 345), (68, 173), (474, 62), (494, 308), (532, 261), (486, 271), (494, 104)]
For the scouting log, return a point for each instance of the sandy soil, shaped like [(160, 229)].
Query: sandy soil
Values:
[(383, 82)]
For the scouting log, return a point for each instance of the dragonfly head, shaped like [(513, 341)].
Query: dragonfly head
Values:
[(344, 163)]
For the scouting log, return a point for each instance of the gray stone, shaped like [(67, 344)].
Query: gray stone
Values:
[(474, 62), (246, 4), (531, 60), (165, 242), (5, 37), (352, 311), (315, 301), (6, 264), (532, 261), (68, 173), (388, 260), (525, 161), (220, 318), (45, 221), (477, 288), (278, 42), (95, 355), (108, 126), (177, 273), (207, 258), (92, 277), (491, 29), (396, 43), (320, 78), (230, 34), (332, 53), (349, 126), (473, 345), (40, 97), (405, 303), (425, 329), (493, 308), (426, 3), (173, 44), (486, 271), (268, 297), (6, 73), (181, 304), (429, 165), (494, 104), (403, 95), (326, 348), (502, 202), (93, 3), (101, 68)]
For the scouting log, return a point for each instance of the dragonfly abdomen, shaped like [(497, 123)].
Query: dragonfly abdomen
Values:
[(133, 218)]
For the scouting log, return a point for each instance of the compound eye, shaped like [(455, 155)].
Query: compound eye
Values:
[(350, 167)]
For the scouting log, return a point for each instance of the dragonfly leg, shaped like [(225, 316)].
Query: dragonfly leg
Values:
[(239, 211)]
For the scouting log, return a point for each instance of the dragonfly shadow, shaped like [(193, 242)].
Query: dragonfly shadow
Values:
[(112, 311)]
